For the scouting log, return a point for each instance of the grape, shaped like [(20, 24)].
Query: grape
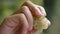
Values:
[(40, 23)]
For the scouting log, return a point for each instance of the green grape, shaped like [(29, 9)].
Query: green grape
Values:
[(40, 23)]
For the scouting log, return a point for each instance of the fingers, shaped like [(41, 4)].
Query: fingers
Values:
[(42, 10), (24, 23), (28, 15), (34, 9), (13, 23), (31, 9)]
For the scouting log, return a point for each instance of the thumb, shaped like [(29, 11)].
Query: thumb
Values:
[(24, 25)]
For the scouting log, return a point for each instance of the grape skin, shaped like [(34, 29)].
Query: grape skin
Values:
[(40, 23)]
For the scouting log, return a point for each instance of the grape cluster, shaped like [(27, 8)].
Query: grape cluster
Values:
[(41, 23)]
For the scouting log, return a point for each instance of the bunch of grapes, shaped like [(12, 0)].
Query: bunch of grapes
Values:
[(41, 23)]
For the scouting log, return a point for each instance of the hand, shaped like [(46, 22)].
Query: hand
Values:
[(21, 22)]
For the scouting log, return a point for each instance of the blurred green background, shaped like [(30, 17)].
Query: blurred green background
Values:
[(52, 7)]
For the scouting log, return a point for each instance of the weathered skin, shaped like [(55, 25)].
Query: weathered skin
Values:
[(21, 22)]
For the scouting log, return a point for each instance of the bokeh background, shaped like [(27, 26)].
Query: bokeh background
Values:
[(52, 7)]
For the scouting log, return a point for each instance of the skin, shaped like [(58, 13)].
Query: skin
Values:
[(21, 22)]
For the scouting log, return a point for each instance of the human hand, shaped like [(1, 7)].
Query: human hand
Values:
[(21, 22)]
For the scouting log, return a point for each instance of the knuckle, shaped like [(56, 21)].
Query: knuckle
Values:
[(23, 20), (42, 10), (21, 14), (25, 7)]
